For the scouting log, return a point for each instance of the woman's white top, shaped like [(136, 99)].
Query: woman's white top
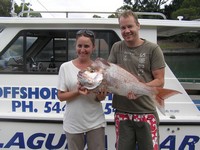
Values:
[(82, 113)]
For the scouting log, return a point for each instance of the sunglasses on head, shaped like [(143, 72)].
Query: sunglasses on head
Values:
[(85, 32)]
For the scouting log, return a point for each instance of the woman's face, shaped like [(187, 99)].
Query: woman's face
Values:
[(84, 47)]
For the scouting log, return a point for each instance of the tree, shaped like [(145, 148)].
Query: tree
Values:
[(26, 7), (143, 6), (189, 9), (5, 8), (169, 9), (96, 16)]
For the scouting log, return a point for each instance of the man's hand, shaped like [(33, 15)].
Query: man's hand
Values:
[(131, 95), (101, 94)]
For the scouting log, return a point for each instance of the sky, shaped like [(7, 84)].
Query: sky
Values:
[(74, 5)]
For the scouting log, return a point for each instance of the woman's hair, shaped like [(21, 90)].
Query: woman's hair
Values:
[(86, 33)]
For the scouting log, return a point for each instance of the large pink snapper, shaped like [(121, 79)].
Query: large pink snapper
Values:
[(119, 81)]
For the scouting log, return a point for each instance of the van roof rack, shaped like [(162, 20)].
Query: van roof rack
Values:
[(90, 12)]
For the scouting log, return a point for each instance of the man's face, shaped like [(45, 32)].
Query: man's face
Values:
[(129, 28)]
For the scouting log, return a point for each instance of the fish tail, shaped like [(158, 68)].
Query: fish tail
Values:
[(163, 94)]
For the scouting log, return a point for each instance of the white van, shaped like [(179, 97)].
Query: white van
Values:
[(31, 52)]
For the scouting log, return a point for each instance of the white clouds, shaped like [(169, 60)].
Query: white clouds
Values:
[(74, 5)]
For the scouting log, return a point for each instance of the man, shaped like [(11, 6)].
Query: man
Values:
[(136, 120)]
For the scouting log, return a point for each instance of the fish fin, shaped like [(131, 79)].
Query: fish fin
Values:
[(162, 110), (103, 61), (161, 95), (160, 104)]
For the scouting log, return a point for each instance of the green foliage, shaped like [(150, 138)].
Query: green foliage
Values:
[(189, 9), (190, 3), (145, 5), (187, 37), (96, 16), (112, 16), (5, 8), (18, 9), (169, 9), (189, 13)]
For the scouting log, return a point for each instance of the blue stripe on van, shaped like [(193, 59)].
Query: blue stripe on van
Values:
[(197, 103)]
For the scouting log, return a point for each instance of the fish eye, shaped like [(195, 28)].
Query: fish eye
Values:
[(92, 71)]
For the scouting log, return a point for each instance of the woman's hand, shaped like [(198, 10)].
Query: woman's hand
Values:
[(82, 90)]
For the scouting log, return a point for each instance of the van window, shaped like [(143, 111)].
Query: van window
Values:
[(43, 51)]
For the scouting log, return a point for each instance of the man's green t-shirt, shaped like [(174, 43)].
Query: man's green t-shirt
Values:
[(140, 61)]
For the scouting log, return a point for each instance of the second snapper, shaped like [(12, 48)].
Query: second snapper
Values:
[(119, 81)]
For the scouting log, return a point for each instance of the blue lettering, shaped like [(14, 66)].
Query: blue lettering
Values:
[(28, 106), (7, 91), (54, 93), (189, 141), (31, 93), (169, 143), (16, 140), (108, 108), (110, 96), (50, 141), (1, 145), (28, 92), (23, 92), (45, 93), (15, 91), (15, 105), (24, 105), (39, 143), (1, 92)]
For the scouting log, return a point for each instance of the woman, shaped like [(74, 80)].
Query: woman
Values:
[(84, 114)]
